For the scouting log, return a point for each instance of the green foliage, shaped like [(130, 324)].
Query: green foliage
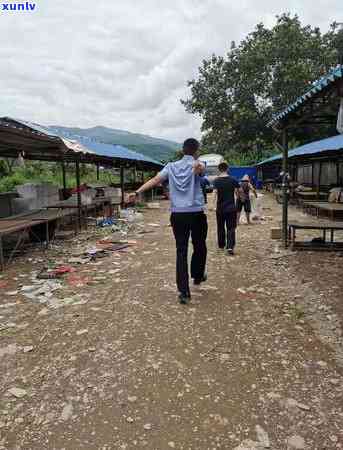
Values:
[(36, 172), (237, 94)]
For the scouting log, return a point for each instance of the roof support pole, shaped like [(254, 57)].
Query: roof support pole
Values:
[(285, 187), (64, 179), (319, 179), (97, 172), (78, 187), (122, 185)]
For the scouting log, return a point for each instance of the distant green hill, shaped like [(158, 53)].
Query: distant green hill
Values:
[(159, 149)]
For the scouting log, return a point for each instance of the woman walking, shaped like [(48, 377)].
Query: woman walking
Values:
[(226, 188)]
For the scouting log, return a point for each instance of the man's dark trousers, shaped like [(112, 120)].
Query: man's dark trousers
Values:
[(184, 225), (226, 229)]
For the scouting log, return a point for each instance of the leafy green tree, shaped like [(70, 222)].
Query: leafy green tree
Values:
[(237, 94)]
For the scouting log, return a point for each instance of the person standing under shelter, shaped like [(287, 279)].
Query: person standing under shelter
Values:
[(204, 183), (244, 198), (187, 214), (226, 188)]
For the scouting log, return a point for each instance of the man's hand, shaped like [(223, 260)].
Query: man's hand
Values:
[(133, 197), (198, 167)]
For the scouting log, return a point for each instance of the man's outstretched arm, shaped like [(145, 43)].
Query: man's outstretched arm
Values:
[(146, 186), (150, 184)]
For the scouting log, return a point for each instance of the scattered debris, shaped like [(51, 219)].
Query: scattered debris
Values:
[(262, 437), (295, 443), (17, 392), (67, 412)]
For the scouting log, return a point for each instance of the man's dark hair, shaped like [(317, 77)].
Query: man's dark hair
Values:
[(223, 167), (190, 146)]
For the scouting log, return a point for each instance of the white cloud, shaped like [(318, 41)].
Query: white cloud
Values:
[(125, 64)]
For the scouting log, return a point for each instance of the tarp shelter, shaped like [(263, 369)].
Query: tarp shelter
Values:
[(318, 105), (41, 143), (318, 163), (34, 142), (332, 146)]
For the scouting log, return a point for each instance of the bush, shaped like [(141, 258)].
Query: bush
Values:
[(38, 172)]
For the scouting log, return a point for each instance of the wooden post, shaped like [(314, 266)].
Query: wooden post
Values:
[(122, 184), (97, 172), (2, 258), (64, 179), (78, 184), (319, 179), (285, 186)]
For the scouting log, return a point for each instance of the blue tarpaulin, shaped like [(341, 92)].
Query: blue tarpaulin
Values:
[(238, 172)]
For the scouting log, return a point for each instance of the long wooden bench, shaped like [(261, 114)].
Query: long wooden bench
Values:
[(317, 243), (330, 208), (26, 222)]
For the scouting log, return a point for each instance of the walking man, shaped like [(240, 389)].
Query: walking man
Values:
[(187, 215), (226, 188)]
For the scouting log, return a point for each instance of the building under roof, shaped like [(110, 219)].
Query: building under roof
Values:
[(331, 146), (318, 163), (41, 143)]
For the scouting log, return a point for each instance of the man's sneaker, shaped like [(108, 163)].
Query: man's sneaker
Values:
[(198, 281), (184, 298), (230, 251)]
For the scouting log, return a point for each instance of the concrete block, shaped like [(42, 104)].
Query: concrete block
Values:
[(275, 233)]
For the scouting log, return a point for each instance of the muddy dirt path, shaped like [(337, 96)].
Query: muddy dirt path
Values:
[(254, 362)]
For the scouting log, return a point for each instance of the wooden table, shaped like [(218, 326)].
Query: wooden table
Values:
[(330, 208), (25, 222), (85, 208), (320, 244), (310, 195)]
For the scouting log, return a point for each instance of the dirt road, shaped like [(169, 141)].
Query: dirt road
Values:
[(255, 361)]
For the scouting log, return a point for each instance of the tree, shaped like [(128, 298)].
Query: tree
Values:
[(237, 94)]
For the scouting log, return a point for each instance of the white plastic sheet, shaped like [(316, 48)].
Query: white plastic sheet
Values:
[(340, 118), (256, 207)]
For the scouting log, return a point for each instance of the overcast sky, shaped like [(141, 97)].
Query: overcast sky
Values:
[(125, 63)]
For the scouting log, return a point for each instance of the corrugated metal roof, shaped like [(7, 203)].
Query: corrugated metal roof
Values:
[(18, 123), (334, 143), (317, 87), (115, 151), (75, 146), (83, 144)]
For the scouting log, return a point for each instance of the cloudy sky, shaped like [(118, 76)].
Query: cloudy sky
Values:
[(125, 63)]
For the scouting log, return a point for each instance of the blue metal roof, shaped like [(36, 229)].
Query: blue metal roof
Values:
[(317, 87), (93, 146), (115, 151), (334, 143)]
